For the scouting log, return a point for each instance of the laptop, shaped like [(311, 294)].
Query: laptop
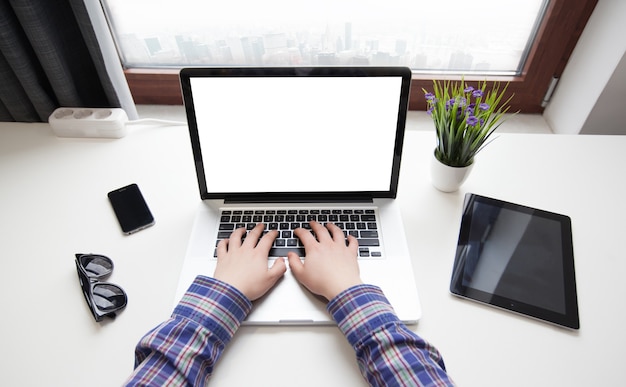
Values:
[(287, 145)]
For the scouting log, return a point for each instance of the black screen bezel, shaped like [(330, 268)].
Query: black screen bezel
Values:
[(569, 319), (186, 74)]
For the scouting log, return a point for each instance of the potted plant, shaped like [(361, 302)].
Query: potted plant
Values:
[(465, 117)]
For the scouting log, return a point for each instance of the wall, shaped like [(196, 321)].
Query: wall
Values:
[(607, 116), (593, 75)]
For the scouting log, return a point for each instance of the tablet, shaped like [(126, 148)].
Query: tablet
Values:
[(516, 258)]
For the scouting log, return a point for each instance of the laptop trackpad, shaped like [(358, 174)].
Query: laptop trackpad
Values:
[(289, 303)]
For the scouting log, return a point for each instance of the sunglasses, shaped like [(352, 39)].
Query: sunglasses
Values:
[(104, 299)]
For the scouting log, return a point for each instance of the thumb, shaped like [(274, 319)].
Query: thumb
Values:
[(277, 269), (295, 264)]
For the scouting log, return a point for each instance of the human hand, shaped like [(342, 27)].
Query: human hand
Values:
[(330, 266), (244, 264)]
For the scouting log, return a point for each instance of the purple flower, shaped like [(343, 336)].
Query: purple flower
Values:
[(430, 97), (468, 89), (472, 120), (450, 103), (477, 93), (483, 106)]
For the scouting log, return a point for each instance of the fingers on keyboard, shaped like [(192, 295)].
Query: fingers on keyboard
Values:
[(360, 223)]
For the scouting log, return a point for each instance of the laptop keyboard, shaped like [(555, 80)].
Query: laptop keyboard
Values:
[(360, 223)]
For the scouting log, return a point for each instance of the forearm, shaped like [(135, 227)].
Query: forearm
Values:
[(387, 352), (184, 349)]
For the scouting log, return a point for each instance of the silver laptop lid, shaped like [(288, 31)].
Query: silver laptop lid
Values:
[(296, 133)]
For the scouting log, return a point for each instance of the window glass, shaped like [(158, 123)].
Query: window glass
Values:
[(456, 36)]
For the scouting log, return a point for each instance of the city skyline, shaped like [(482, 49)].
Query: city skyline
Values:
[(336, 45)]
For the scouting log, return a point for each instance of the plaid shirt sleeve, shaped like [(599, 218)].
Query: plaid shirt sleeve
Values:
[(183, 350), (388, 353)]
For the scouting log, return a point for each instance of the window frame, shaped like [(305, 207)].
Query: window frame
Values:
[(555, 40)]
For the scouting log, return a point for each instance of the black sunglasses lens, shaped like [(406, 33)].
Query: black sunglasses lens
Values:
[(96, 266), (108, 297)]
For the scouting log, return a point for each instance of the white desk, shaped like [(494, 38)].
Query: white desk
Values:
[(53, 204)]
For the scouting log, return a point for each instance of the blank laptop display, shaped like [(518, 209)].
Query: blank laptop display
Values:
[(295, 132)]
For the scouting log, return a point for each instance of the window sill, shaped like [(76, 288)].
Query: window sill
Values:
[(416, 120), (162, 87)]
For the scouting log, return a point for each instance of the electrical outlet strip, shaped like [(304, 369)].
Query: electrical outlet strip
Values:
[(89, 122)]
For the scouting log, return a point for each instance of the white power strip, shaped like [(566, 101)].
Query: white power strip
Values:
[(89, 122)]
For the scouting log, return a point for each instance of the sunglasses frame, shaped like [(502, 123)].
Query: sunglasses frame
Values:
[(89, 283)]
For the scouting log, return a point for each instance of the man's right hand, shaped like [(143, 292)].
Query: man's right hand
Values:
[(330, 266)]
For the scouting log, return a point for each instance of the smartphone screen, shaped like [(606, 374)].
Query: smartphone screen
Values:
[(131, 209)]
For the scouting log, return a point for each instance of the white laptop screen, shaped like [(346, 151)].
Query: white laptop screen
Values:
[(297, 134)]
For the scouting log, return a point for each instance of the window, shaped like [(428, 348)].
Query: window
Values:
[(479, 39), (395, 32)]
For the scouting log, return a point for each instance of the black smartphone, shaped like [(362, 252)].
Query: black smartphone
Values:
[(131, 209)]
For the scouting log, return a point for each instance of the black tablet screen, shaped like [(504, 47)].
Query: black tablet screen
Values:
[(517, 258)]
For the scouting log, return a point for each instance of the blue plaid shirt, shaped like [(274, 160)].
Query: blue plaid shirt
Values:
[(184, 349)]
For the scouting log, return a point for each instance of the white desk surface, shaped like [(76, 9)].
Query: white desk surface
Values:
[(53, 204)]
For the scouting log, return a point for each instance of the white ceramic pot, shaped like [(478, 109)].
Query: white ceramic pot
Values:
[(446, 178)]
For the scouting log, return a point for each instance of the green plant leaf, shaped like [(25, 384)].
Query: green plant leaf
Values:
[(459, 138)]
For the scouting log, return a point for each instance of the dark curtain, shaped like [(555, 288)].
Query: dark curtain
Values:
[(49, 57)]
